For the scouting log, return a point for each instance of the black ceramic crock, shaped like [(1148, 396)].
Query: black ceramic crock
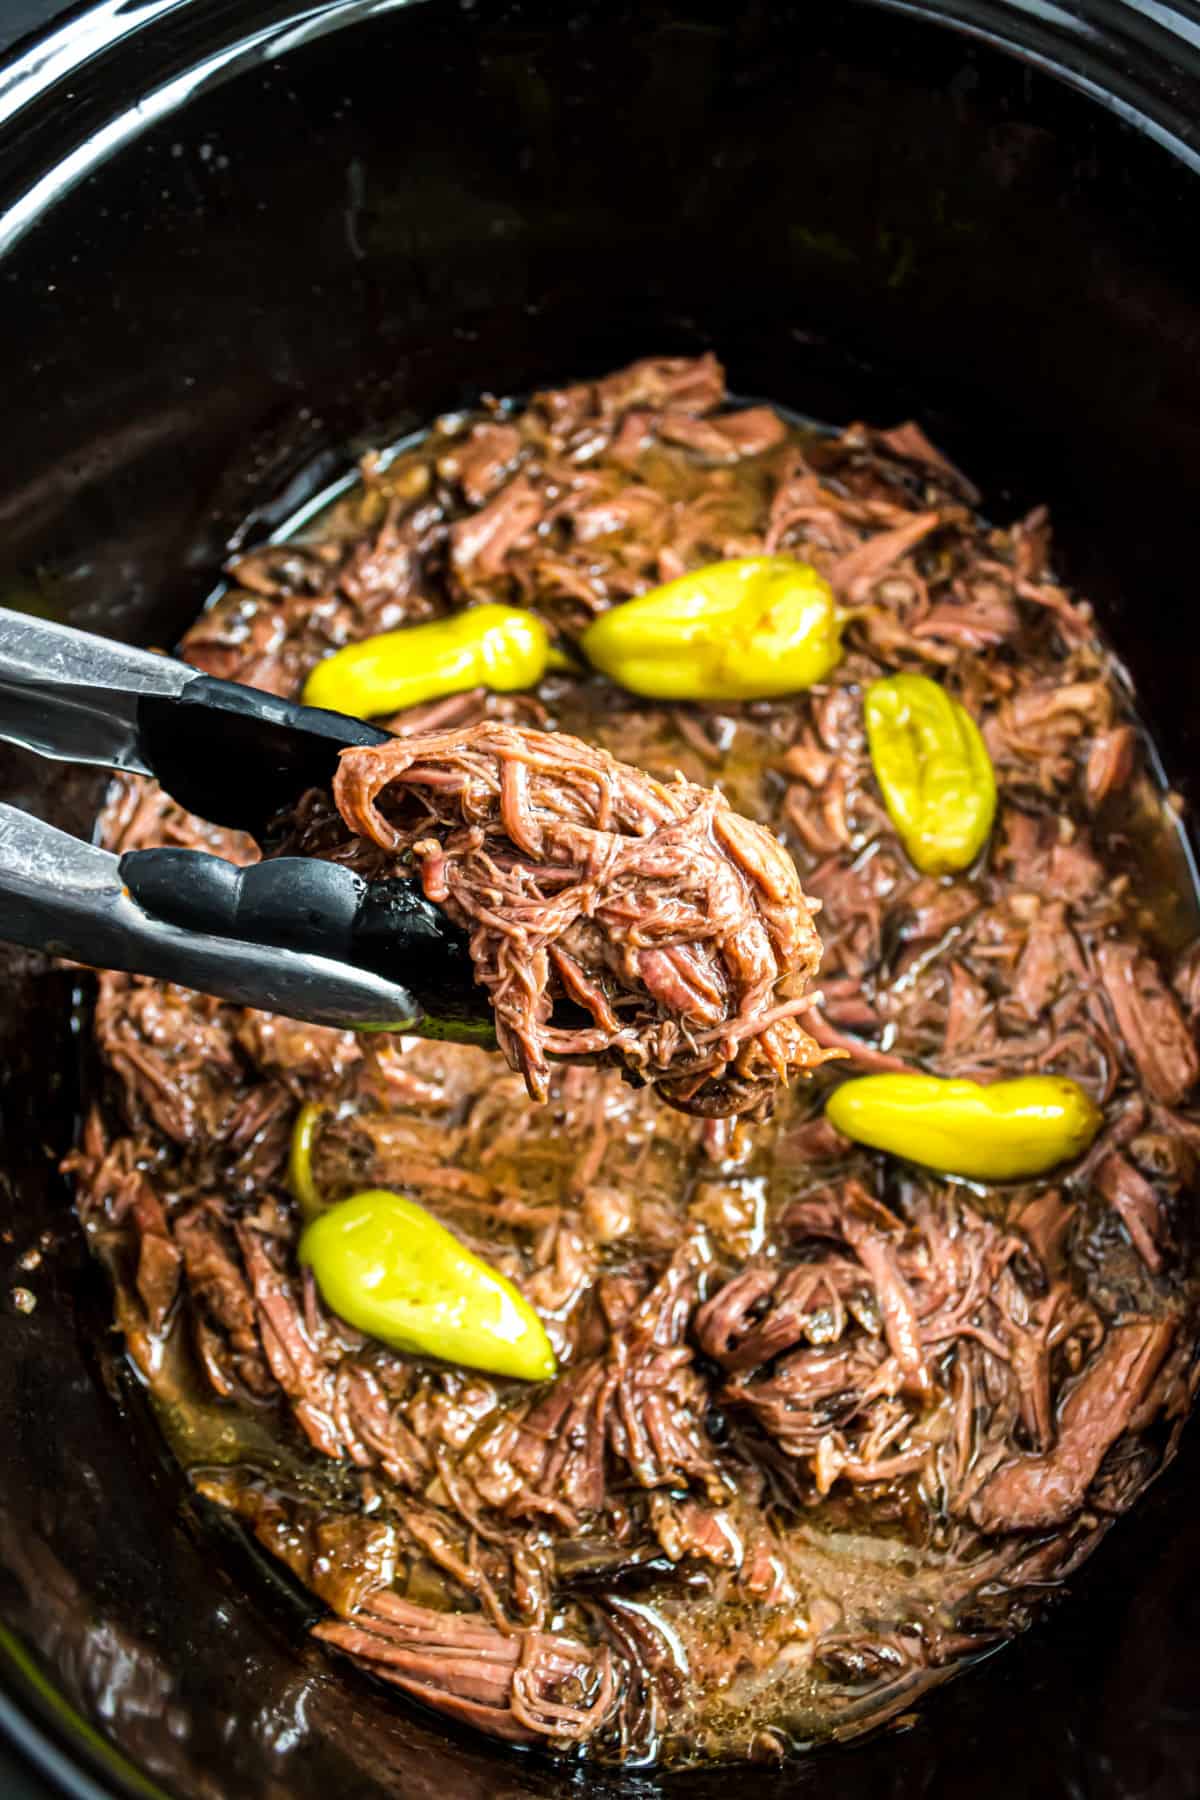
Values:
[(240, 239)]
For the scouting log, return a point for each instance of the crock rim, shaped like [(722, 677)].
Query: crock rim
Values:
[(1139, 59)]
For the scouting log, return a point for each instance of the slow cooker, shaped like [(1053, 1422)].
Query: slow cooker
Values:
[(240, 240)]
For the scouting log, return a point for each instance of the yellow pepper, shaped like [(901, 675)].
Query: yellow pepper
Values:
[(742, 630), (388, 1268), (934, 770), (303, 1187), (1001, 1132), (498, 647)]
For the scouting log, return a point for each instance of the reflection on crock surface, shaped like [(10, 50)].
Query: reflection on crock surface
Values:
[(827, 1424)]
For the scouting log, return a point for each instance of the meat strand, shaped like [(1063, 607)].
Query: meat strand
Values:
[(681, 927), (1036, 1492)]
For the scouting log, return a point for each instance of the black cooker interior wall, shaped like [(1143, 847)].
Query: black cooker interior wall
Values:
[(866, 216)]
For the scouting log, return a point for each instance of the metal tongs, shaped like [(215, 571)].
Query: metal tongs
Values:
[(292, 935)]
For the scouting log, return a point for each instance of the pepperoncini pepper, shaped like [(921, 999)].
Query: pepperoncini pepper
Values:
[(301, 1181), (746, 629), (390, 1269), (498, 647), (1001, 1132), (934, 770)]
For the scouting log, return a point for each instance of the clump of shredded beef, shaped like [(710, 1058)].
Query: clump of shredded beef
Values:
[(679, 927), (825, 1426)]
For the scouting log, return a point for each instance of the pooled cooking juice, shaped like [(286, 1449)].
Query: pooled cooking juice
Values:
[(827, 1420)]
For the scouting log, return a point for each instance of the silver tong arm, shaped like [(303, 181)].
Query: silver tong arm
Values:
[(66, 898), (74, 697)]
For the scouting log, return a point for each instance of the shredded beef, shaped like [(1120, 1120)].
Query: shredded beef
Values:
[(680, 927), (521, 1686), (1032, 1493), (1149, 1019), (825, 1426)]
